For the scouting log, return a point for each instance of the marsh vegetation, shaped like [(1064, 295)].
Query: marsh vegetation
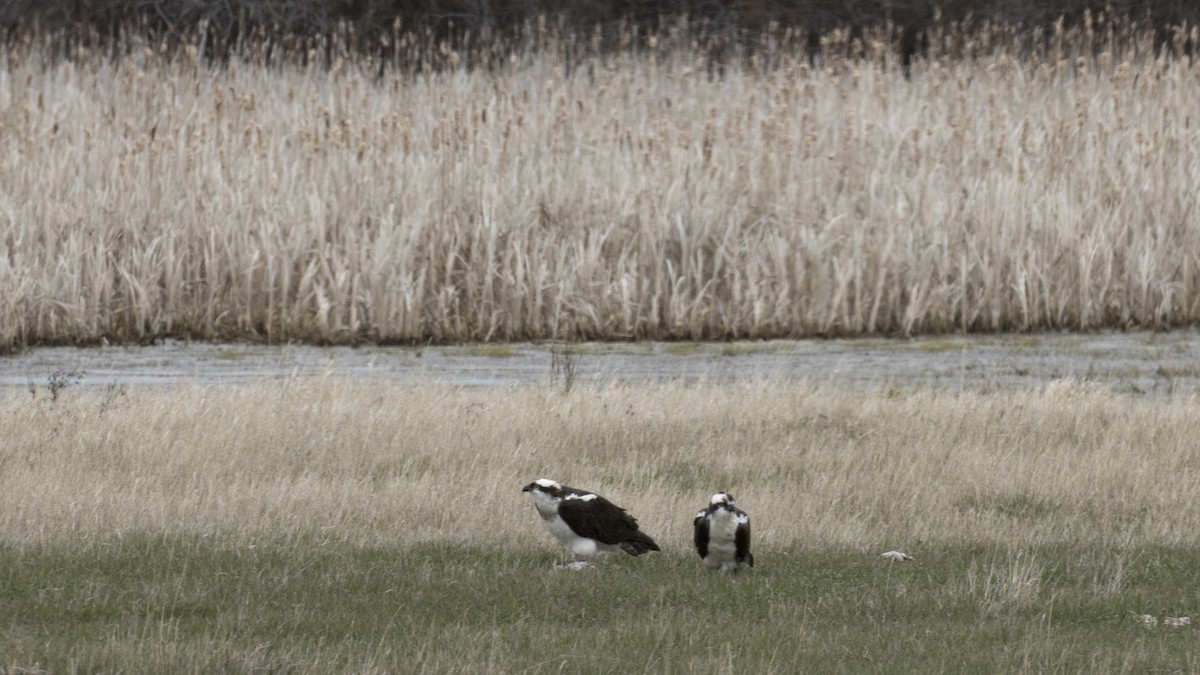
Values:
[(1004, 181)]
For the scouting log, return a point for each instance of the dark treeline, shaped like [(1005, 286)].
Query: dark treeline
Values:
[(309, 17), (225, 23)]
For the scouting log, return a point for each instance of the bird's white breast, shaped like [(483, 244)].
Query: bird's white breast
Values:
[(722, 544), (558, 529), (722, 528), (547, 506)]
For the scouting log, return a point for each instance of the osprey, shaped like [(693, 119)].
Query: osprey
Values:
[(723, 535), (585, 522)]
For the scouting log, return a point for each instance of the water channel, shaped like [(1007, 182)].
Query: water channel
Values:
[(1153, 363)]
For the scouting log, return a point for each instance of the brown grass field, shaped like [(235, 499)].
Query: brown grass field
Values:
[(1008, 183), (829, 467)]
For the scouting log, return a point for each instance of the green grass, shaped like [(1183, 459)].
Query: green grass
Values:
[(758, 347), (190, 604), (936, 345), (1024, 342), (682, 348), (495, 350)]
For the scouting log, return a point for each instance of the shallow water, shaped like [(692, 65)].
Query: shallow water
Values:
[(1150, 363)]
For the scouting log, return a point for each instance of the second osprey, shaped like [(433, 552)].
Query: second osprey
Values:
[(723, 535)]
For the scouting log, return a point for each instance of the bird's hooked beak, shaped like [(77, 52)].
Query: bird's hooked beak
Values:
[(527, 488)]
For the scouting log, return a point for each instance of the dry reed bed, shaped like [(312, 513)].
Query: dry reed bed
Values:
[(640, 194), (820, 467)]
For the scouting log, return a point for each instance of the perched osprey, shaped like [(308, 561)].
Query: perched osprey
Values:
[(585, 522), (723, 535)]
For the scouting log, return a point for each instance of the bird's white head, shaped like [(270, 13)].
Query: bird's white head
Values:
[(544, 485), (721, 499), (546, 495)]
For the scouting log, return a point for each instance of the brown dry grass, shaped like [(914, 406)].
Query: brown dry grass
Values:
[(637, 194), (819, 467)]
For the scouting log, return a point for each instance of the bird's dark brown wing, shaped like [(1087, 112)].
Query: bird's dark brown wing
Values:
[(597, 519), (700, 525), (605, 522), (741, 539)]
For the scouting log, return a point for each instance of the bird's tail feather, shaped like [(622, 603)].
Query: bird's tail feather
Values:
[(638, 543)]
